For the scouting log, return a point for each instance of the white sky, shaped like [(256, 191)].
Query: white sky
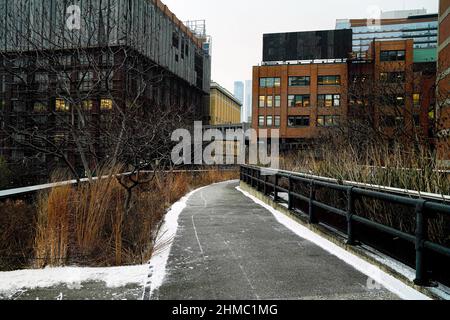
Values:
[(236, 26)]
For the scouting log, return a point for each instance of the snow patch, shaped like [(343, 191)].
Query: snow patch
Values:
[(165, 237), (14, 281), (389, 282)]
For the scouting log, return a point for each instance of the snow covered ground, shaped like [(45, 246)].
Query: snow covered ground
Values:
[(141, 278)]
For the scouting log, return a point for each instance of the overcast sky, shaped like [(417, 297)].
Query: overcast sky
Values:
[(236, 26)]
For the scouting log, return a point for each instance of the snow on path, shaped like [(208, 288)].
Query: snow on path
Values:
[(389, 282), (114, 277), (165, 237)]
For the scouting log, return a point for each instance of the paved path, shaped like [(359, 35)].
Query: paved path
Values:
[(228, 247)]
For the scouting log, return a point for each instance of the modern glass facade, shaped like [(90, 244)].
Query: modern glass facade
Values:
[(424, 33)]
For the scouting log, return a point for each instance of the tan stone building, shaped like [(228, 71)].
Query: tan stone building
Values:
[(224, 107)]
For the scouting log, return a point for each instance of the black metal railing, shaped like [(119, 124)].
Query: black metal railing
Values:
[(261, 179)]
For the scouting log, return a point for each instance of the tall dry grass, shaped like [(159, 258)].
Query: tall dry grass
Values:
[(396, 166), (88, 224)]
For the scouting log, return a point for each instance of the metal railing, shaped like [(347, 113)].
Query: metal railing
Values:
[(258, 178)]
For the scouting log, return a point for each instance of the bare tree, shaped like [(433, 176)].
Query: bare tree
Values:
[(104, 108)]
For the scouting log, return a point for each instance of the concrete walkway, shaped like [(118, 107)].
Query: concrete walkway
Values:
[(228, 247)]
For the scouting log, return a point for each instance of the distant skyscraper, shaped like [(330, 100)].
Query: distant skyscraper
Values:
[(239, 90), (247, 113)]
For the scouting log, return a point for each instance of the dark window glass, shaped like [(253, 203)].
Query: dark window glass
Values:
[(299, 81), (392, 55), (301, 121)]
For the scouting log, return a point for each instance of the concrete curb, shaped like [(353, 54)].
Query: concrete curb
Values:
[(340, 241)]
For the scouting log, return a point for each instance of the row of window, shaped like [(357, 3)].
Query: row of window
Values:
[(300, 81), (61, 105), (328, 121), (301, 101), (298, 121), (392, 55)]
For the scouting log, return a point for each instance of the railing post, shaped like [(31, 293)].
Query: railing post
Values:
[(275, 190), (350, 212), (265, 184), (289, 193), (253, 177), (312, 198), (421, 233)]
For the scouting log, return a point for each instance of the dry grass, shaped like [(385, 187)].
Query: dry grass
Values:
[(390, 167), (87, 225), (17, 221)]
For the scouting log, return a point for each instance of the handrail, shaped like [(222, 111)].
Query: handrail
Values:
[(252, 175), (407, 192), (24, 190)]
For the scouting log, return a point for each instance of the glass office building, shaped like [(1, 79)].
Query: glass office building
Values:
[(422, 29)]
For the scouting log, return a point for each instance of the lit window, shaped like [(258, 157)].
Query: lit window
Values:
[(61, 105), (277, 82), (39, 107), (269, 121), (87, 105), (329, 100), (329, 80), (416, 99), (262, 101), (269, 101), (299, 101), (106, 104)]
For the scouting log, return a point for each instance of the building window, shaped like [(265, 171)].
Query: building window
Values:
[(416, 119), (39, 107), (41, 80), (329, 100), (87, 105), (391, 121), (269, 121), (86, 80), (328, 121), (277, 121), (269, 82), (61, 105), (262, 101), (329, 80), (392, 55), (269, 101), (299, 81), (18, 106), (277, 101), (175, 40), (302, 121), (392, 100), (299, 101), (261, 121), (392, 77), (416, 99), (3, 84), (106, 104)]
